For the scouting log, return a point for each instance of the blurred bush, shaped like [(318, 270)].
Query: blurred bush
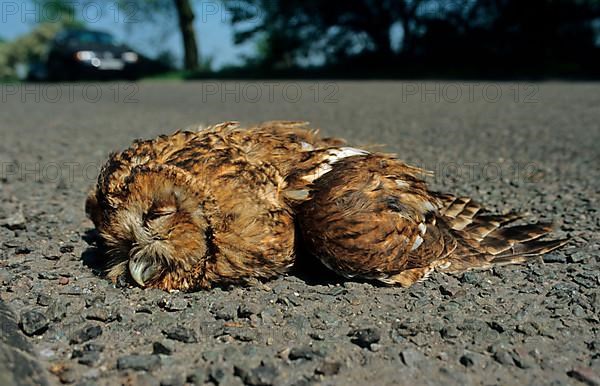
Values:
[(26, 49)]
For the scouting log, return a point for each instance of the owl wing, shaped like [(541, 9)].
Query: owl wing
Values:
[(371, 216), (367, 214)]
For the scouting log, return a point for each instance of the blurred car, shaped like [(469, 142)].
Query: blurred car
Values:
[(81, 54)]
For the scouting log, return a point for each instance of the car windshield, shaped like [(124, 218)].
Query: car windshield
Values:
[(92, 37)]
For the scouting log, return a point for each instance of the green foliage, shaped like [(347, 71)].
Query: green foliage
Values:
[(288, 31), (31, 47), (27, 48), (432, 32)]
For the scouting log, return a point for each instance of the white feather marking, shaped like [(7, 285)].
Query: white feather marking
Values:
[(427, 206), (319, 172), (445, 265), (306, 146), (422, 229), (333, 156), (139, 160), (401, 184), (298, 195), (417, 243), (425, 276), (344, 152)]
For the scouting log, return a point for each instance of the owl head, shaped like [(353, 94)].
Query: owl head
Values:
[(155, 228)]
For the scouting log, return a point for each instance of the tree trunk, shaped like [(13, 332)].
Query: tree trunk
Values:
[(188, 34)]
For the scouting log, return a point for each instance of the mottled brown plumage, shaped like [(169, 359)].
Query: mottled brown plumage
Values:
[(221, 205), (372, 217), (196, 209)]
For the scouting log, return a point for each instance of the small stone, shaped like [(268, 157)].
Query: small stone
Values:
[(466, 360), (51, 253), (95, 300), (528, 328), (585, 375), (138, 362), (522, 359), (44, 300), (181, 334), (101, 314), (365, 337), (554, 258), (93, 347), (578, 257), (218, 373), (122, 282), (143, 309), (496, 326), (328, 368), (89, 358), (243, 334), (449, 332), (411, 357), (21, 250), (172, 305), (85, 334), (263, 375), (470, 278), (306, 352), (48, 275), (58, 310), (225, 312), (198, 376), (246, 310), (448, 291), (72, 290), (68, 376), (503, 357), (164, 348), (210, 356), (144, 379), (66, 249), (231, 380), (173, 380), (63, 281), (33, 322), (15, 221)]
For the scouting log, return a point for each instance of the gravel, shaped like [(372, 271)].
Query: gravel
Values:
[(85, 334), (34, 322), (365, 337), (533, 150), (138, 362), (181, 334)]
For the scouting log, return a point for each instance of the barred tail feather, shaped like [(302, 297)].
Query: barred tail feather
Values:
[(486, 240)]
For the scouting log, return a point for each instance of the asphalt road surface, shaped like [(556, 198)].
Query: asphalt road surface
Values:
[(530, 147)]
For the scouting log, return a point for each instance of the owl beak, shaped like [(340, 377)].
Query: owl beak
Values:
[(141, 270)]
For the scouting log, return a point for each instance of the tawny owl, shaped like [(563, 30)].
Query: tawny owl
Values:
[(196, 209)]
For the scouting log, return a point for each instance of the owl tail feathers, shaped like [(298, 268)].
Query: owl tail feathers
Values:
[(509, 245), (504, 245)]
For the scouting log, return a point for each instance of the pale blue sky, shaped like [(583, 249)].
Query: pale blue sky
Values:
[(214, 33)]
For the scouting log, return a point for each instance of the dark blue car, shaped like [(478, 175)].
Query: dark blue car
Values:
[(83, 54)]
